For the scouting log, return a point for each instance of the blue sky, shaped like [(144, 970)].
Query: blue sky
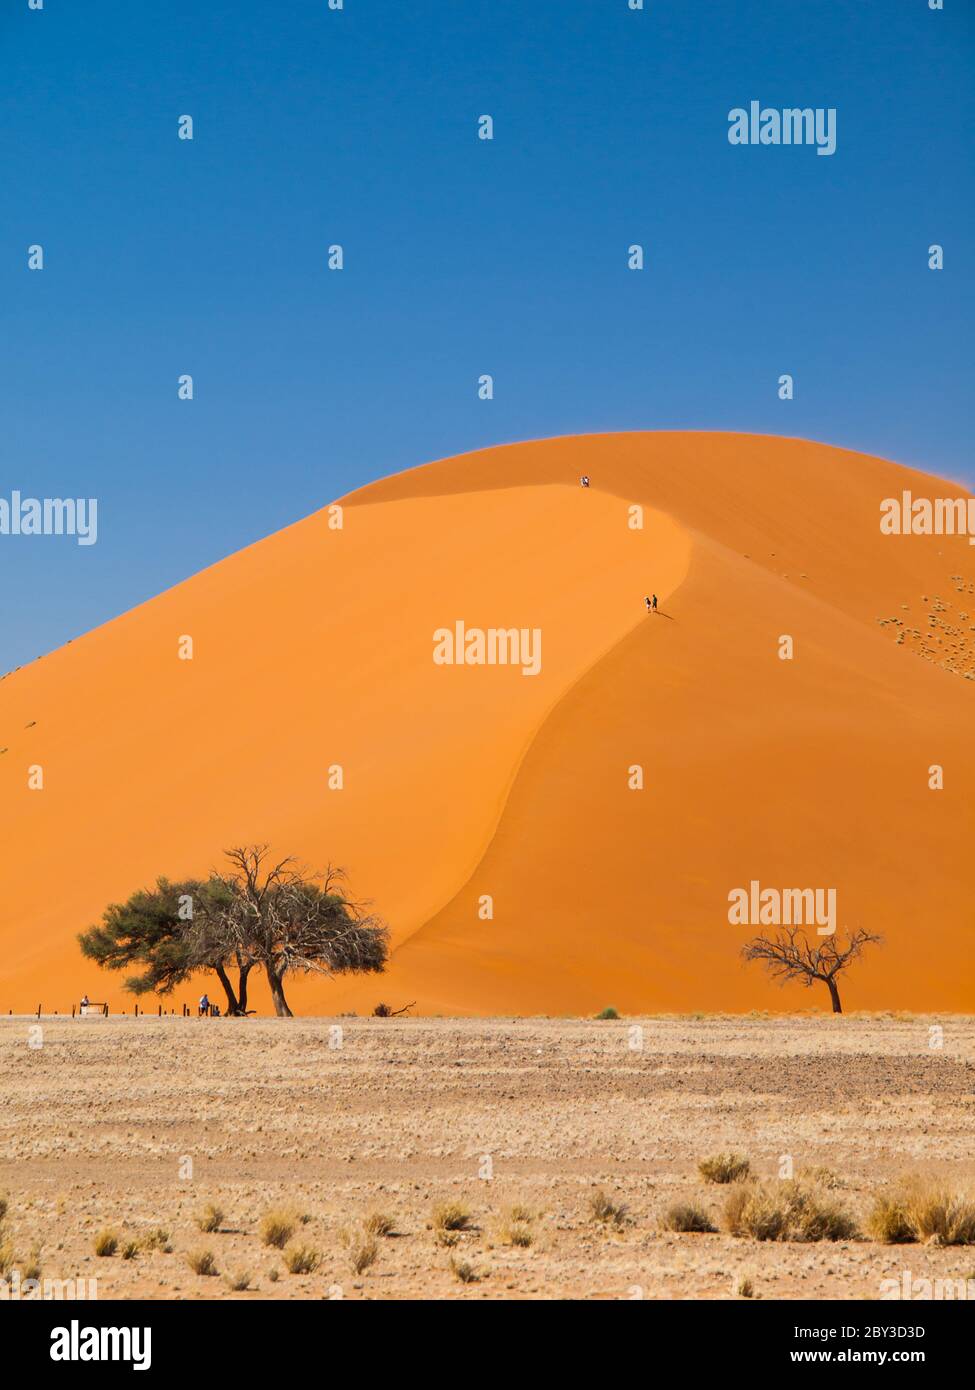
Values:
[(462, 256)]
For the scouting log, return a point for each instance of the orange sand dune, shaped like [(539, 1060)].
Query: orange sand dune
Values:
[(314, 648)]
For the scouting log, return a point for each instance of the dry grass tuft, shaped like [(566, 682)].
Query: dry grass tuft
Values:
[(516, 1233), (464, 1271), (605, 1210), (361, 1248), (723, 1167), (106, 1242), (922, 1209), (451, 1216), (301, 1259), (210, 1219), (687, 1217), (789, 1210), (821, 1177), (239, 1282), (157, 1239), (277, 1227), (519, 1212), (887, 1221), (202, 1262), (378, 1223)]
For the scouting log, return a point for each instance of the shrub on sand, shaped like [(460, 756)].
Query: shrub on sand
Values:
[(157, 1239), (686, 1217), (887, 1221), (106, 1242), (210, 1219), (724, 1167), (603, 1209), (301, 1259), (202, 1262), (518, 1211), (451, 1216), (277, 1227), (936, 1212), (378, 1223), (788, 1210), (361, 1249), (516, 1233), (464, 1271)]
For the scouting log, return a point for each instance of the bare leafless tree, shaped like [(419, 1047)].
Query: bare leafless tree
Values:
[(788, 955), (283, 918)]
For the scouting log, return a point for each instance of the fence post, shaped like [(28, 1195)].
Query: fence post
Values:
[(105, 1009), (38, 1011), (72, 1010)]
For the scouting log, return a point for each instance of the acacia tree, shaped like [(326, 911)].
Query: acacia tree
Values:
[(788, 955), (284, 919), (265, 913), (170, 931)]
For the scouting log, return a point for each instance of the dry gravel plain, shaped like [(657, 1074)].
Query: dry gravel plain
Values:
[(99, 1120)]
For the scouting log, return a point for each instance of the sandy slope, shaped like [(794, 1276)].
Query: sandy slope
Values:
[(314, 648)]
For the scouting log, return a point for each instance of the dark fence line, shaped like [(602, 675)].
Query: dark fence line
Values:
[(95, 1010)]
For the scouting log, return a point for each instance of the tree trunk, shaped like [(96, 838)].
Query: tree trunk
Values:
[(277, 991), (224, 979), (245, 970), (834, 994)]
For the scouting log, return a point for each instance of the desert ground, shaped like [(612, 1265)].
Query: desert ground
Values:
[(339, 1118)]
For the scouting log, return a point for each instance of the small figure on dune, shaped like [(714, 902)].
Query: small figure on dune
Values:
[(584, 480), (203, 1006), (655, 603), (85, 1001), (651, 602)]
